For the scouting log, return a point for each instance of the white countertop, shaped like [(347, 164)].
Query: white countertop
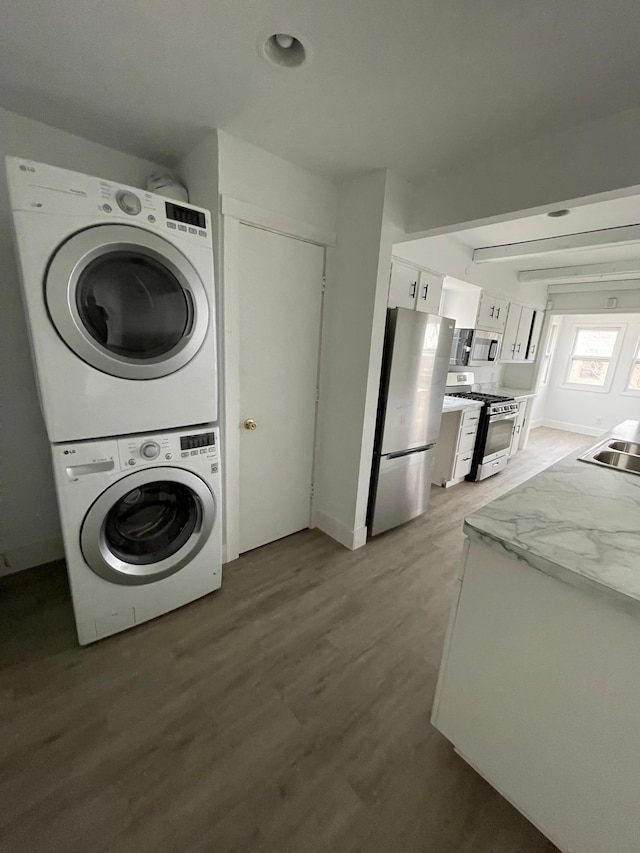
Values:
[(575, 521), (457, 404)]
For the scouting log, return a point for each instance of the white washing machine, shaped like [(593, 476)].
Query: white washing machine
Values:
[(118, 287), (141, 525)]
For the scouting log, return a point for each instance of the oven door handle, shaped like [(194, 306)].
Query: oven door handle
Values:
[(503, 417)]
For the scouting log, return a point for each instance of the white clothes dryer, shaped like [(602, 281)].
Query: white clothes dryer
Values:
[(141, 525), (118, 287)]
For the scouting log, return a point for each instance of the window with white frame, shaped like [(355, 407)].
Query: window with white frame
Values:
[(634, 376), (592, 354), (548, 353)]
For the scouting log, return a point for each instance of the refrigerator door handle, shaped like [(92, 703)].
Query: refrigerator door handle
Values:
[(400, 453)]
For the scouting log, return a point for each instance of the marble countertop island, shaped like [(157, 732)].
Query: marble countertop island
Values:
[(575, 521)]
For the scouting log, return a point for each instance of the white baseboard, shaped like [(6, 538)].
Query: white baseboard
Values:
[(34, 554), (351, 539), (582, 430)]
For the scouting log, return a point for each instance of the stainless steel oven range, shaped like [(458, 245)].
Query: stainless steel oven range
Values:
[(495, 431)]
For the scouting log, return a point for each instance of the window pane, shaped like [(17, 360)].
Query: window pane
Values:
[(595, 342), (634, 381), (583, 371)]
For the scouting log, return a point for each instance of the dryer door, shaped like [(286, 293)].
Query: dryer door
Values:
[(127, 301), (148, 525)]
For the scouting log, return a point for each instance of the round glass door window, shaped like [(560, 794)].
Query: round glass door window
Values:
[(151, 523), (127, 301), (132, 305)]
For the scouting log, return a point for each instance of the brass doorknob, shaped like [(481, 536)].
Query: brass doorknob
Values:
[(250, 424)]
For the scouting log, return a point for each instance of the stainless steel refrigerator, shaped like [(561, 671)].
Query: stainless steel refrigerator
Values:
[(414, 373)]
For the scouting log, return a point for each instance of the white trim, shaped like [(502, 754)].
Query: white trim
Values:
[(33, 554), (351, 539), (596, 287), (582, 430), (616, 270), (260, 217), (622, 236), (230, 240)]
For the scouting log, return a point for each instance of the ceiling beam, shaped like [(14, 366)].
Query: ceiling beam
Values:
[(608, 237), (618, 270)]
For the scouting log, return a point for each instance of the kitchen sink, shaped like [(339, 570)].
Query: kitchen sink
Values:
[(618, 455), (625, 447)]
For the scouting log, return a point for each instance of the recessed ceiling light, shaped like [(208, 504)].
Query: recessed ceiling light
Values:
[(284, 49), (557, 213)]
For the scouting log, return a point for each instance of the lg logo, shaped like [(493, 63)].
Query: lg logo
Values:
[(24, 168), (67, 452)]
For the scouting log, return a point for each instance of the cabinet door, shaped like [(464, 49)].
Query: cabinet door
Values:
[(492, 312), (511, 332), (501, 307), (535, 335), (403, 286), (524, 332), (429, 292), (518, 427)]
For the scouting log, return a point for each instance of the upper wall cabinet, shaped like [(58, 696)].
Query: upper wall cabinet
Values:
[(534, 340), (492, 312), (413, 287), (517, 331), (521, 334)]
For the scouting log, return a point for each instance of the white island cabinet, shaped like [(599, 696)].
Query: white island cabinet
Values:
[(539, 688)]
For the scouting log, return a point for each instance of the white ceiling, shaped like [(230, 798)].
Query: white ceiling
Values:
[(419, 86), (589, 217)]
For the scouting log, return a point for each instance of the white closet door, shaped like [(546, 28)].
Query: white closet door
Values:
[(280, 314)]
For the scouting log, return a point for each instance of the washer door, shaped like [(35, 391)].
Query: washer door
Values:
[(147, 526), (127, 302)]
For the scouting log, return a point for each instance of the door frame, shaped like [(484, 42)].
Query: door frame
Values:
[(235, 213)]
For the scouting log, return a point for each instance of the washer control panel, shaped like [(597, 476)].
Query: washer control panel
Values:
[(137, 451), (79, 461)]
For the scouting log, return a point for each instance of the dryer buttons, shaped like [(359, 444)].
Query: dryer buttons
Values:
[(129, 202)]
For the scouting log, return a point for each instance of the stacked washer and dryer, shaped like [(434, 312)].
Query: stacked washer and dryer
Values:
[(118, 289)]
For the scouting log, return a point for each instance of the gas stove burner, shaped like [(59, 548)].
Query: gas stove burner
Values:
[(481, 398)]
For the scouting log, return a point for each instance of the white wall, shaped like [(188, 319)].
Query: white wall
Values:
[(590, 412), (370, 219), (573, 164), (29, 526)]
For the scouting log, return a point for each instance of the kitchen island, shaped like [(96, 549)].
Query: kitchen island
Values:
[(539, 687)]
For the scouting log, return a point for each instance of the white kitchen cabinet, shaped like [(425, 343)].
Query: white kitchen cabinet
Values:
[(414, 288), (454, 450), (518, 427), (539, 703), (429, 292), (517, 332), (492, 312), (403, 285), (536, 331)]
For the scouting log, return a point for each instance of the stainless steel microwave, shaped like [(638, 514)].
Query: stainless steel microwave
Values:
[(474, 347)]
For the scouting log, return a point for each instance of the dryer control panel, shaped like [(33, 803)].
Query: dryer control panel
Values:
[(40, 188)]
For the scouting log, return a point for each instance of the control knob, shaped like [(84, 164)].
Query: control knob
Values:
[(149, 449), (128, 202)]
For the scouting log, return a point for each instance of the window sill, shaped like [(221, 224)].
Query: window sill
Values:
[(592, 389)]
